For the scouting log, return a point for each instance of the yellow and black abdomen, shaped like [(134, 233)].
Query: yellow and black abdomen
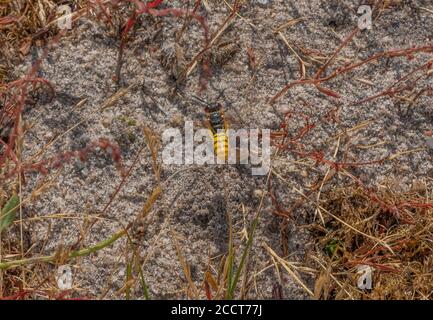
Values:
[(221, 145), (218, 129)]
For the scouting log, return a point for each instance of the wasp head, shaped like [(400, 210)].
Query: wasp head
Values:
[(216, 107)]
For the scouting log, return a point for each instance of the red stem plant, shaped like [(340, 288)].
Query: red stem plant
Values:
[(13, 95), (150, 8), (285, 142)]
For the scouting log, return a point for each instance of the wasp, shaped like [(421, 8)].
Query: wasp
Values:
[(218, 127)]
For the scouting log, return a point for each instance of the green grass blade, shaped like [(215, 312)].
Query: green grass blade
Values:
[(8, 212), (235, 281), (230, 260), (144, 285)]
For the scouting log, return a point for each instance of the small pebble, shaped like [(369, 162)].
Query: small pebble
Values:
[(429, 142), (106, 122), (258, 193), (49, 135), (263, 3)]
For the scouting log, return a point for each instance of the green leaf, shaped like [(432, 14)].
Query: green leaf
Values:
[(7, 215), (332, 246)]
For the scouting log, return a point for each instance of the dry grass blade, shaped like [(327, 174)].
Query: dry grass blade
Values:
[(404, 274), (153, 145), (286, 265), (115, 97), (192, 289), (377, 240)]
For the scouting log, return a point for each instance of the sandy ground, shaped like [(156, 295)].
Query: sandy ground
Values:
[(192, 210)]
